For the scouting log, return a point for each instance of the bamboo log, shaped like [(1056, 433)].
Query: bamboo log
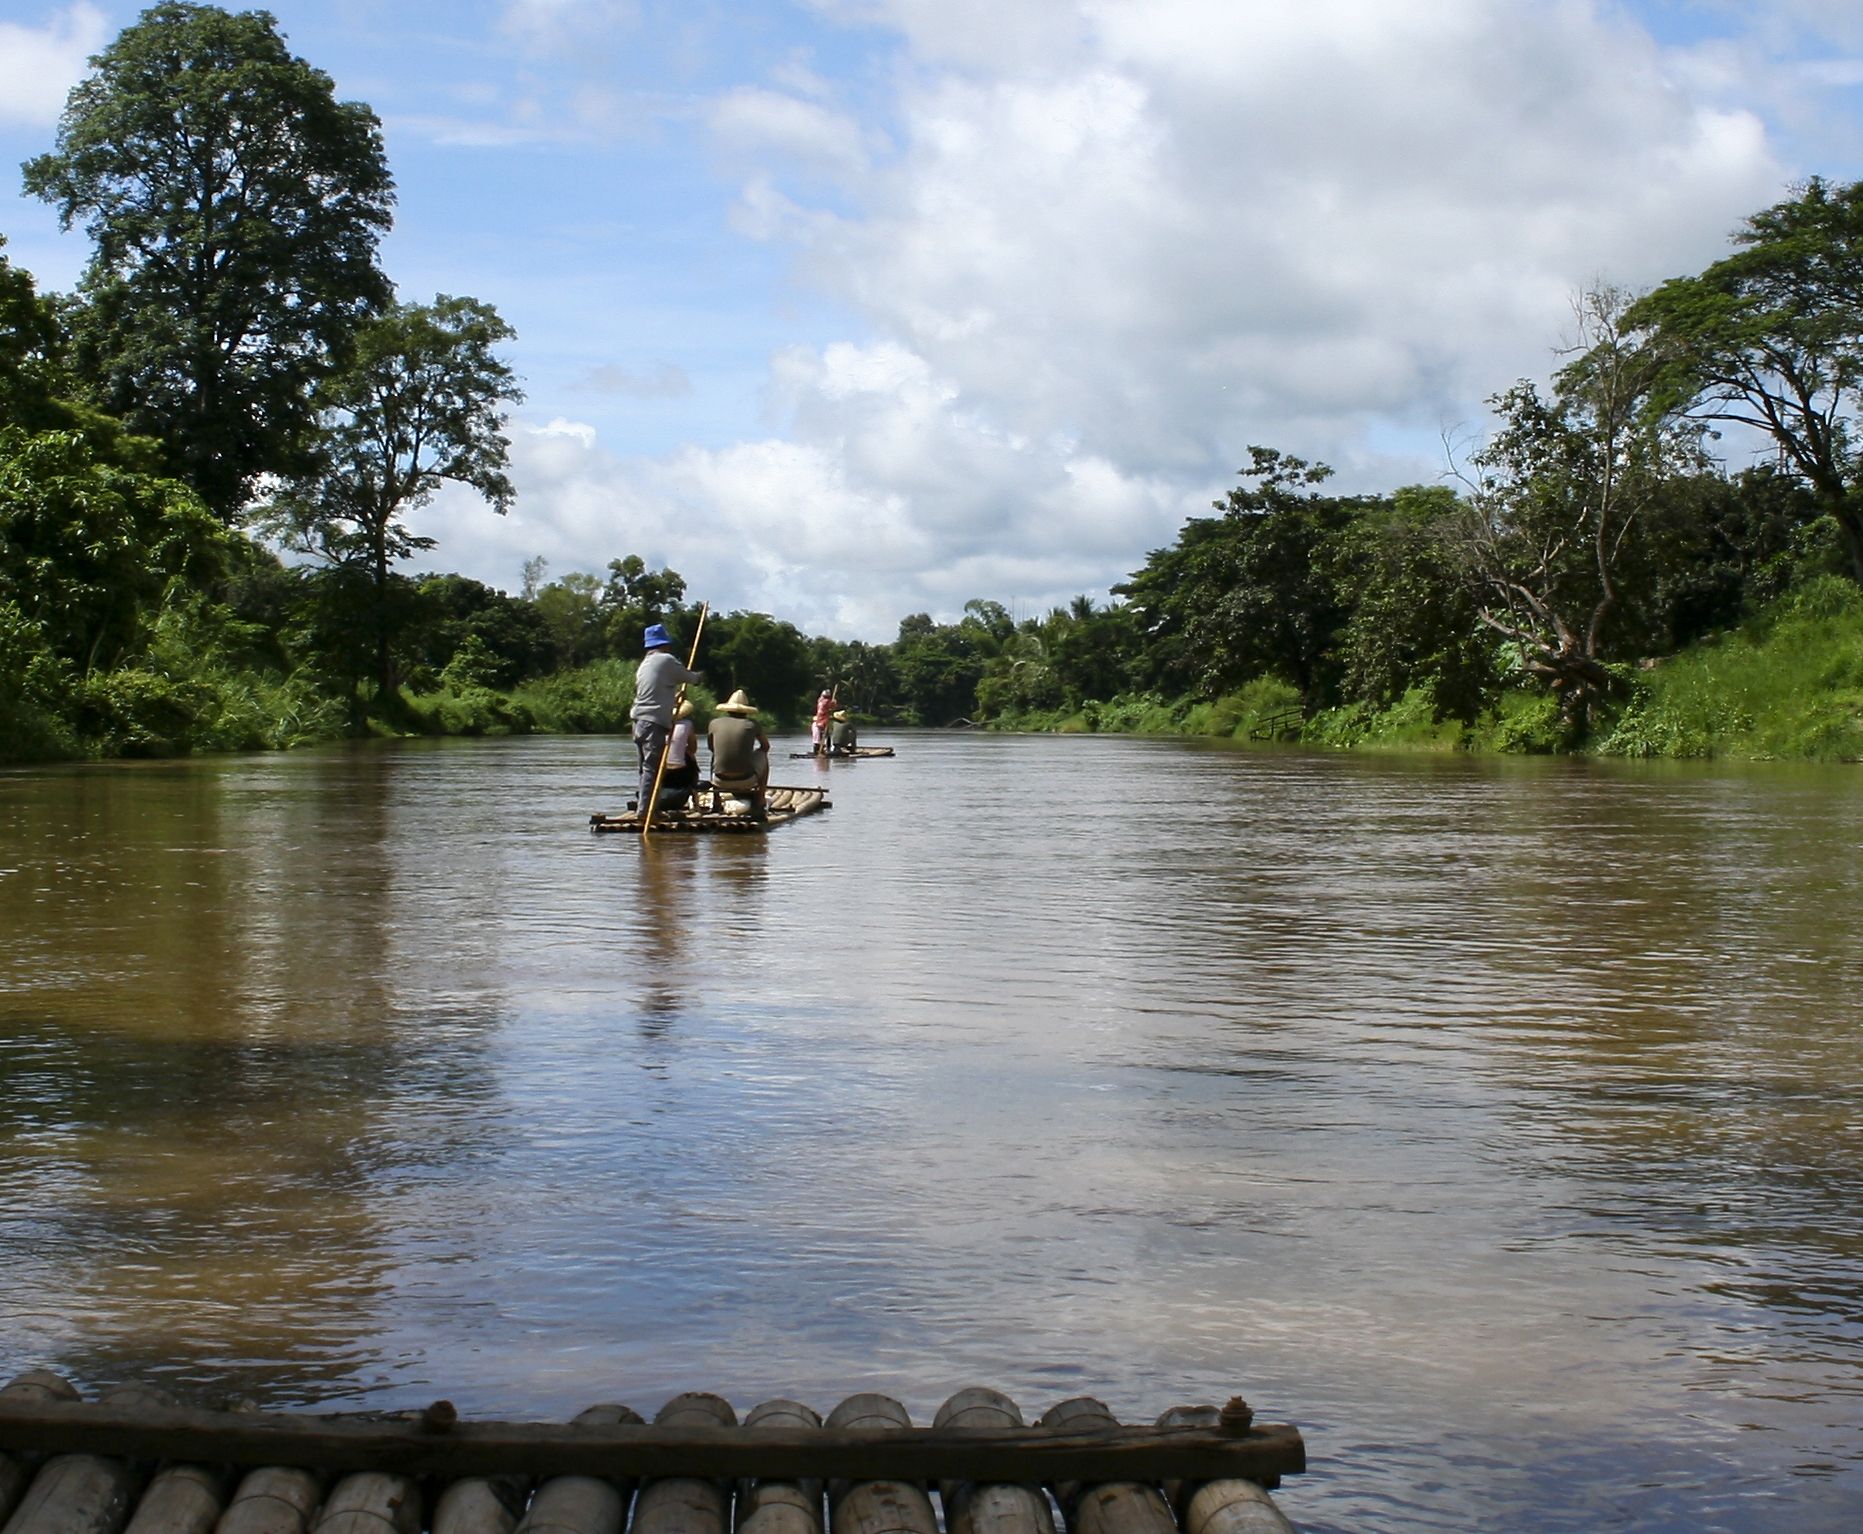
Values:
[(792, 1507), (182, 1499), (274, 1500), (87, 1493), (631, 1449), (16, 1469), (687, 1504), (1106, 1507), (1230, 1505), (481, 1504), (972, 1507), (365, 1501), (584, 1504), (882, 1504)]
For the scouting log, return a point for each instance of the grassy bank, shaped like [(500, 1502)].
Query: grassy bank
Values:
[(1786, 685)]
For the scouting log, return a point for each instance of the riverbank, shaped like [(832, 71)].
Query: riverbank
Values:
[(1787, 685)]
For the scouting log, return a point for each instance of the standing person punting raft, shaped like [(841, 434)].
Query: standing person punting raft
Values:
[(818, 730), (657, 681)]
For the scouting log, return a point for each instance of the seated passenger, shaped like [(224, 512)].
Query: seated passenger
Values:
[(844, 737), (740, 752), (682, 760)]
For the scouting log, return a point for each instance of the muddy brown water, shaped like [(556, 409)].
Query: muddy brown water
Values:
[(1495, 1122)]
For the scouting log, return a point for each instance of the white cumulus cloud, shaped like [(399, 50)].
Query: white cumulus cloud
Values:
[(39, 65)]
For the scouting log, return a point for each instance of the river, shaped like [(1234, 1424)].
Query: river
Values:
[(1493, 1121)]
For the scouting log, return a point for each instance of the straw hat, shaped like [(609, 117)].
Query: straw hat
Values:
[(840, 713), (737, 703), (684, 711)]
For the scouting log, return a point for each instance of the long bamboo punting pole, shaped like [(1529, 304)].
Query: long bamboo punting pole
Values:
[(1199, 1453), (679, 694)]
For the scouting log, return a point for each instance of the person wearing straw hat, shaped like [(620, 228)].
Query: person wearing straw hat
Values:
[(844, 737), (740, 751), (657, 681)]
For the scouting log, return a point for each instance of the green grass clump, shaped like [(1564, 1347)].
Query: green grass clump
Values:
[(1787, 685)]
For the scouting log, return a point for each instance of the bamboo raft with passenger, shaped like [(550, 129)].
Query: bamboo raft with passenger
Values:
[(713, 810), (856, 754), (137, 1462)]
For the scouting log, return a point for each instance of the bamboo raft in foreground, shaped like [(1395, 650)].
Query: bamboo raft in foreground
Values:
[(134, 1462), (706, 813), (858, 754)]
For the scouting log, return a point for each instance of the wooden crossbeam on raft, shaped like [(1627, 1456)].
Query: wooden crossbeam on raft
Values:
[(437, 1445)]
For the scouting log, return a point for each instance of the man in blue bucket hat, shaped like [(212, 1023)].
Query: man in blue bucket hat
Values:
[(657, 681)]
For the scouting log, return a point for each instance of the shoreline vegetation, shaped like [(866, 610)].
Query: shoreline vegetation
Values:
[(203, 524)]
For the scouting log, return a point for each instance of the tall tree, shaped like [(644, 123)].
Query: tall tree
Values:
[(1771, 337), (236, 206), (1559, 499), (1252, 592), (418, 403)]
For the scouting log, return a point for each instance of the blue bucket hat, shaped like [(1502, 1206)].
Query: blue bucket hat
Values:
[(656, 637)]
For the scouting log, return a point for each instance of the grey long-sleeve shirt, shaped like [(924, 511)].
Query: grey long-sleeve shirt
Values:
[(656, 685)]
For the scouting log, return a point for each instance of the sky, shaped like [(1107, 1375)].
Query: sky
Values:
[(853, 309)]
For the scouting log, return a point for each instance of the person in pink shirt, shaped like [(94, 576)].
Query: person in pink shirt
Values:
[(818, 731)]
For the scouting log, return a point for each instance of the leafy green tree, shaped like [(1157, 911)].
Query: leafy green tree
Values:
[(235, 207), (1557, 510), (1253, 592), (1413, 619), (634, 597), (938, 667), (571, 613), (29, 343), (418, 403), (769, 659), (1771, 338), (450, 613)]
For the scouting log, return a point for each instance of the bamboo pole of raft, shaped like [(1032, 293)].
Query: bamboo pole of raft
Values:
[(274, 1499), (990, 1507), (480, 1504), (780, 1507), (687, 1504), (877, 1506), (679, 696), (583, 1504), (363, 1502), (1232, 1505), (448, 1448), (16, 1469), (82, 1492), (1106, 1507)]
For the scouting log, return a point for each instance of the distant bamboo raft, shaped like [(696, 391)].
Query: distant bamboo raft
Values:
[(133, 1462), (705, 812), (856, 754)]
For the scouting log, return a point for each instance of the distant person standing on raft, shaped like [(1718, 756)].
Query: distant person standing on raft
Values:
[(657, 681), (818, 731)]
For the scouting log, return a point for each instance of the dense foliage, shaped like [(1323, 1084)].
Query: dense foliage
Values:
[(233, 379)]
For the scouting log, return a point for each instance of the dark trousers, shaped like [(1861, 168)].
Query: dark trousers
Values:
[(650, 739)]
